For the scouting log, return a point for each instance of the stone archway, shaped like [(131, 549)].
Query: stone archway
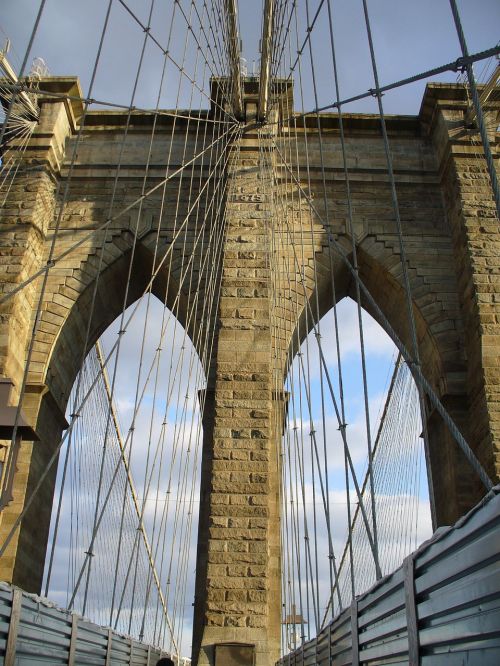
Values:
[(63, 361), (451, 237), (96, 243)]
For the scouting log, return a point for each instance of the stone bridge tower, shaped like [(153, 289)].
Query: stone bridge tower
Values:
[(452, 241)]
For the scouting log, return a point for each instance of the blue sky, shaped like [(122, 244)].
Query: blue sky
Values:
[(409, 37)]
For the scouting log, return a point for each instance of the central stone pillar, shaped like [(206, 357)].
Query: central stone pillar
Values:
[(238, 571)]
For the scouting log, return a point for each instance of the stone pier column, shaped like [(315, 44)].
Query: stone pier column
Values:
[(476, 245), (238, 573), (25, 224)]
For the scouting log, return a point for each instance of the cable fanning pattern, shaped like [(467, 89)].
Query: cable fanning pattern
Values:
[(353, 493)]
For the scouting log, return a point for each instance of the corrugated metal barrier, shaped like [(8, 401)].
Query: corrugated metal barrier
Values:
[(34, 632), (442, 607)]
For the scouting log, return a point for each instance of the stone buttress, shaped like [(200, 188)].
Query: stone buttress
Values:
[(238, 573)]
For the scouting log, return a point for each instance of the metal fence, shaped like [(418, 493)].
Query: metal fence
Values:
[(34, 632), (442, 607)]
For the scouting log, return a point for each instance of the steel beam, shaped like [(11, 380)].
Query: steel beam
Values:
[(265, 58), (234, 57)]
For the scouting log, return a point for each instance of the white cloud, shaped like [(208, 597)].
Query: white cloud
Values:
[(395, 542), (377, 343)]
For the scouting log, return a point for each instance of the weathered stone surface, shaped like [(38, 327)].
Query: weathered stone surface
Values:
[(242, 422), (452, 243)]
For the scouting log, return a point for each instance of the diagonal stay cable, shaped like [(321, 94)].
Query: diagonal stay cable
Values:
[(191, 309), (366, 479), (401, 243), (310, 28), (99, 520), (167, 402), (169, 394), (477, 106), (339, 419), (113, 218), (154, 262), (454, 66), (129, 273), (114, 106), (85, 399), (355, 265), (167, 54), (416, 371), (197, 41), (191, 263), (306, 374), (13, 449), (130, 481), (360, 320), (22, 70)]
